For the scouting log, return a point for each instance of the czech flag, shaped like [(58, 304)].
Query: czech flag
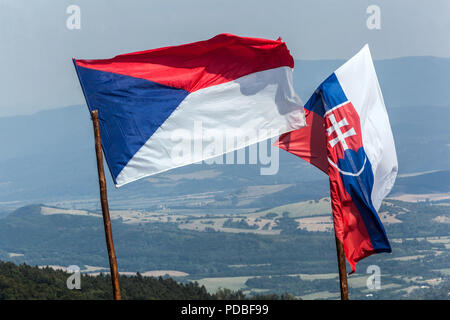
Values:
[(158, 107), (348, 136)]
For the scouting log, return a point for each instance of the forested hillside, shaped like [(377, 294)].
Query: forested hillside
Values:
[(24, 282)]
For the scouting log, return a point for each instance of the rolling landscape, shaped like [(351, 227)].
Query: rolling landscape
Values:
[(227, 226)]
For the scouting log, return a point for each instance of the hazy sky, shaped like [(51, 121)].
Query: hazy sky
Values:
[(36, 70)]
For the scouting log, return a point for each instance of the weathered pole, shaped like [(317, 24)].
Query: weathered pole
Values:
[(105, 208), (342, 269)]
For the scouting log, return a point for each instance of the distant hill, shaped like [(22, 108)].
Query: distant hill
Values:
[(433, 182)]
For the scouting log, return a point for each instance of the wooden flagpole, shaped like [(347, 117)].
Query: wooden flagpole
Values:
[(105, 208), (342, 269)]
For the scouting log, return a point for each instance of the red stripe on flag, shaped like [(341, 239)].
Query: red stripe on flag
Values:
[(348, 223), (308, 143), (200, 64)]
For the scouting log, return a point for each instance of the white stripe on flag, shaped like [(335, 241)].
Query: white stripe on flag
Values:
[(359, 81), (258, 106)]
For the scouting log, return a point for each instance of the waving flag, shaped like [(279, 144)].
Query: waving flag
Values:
[(149, 102), (348, 136)]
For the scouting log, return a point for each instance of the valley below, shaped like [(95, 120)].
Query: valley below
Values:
[(285, 249)]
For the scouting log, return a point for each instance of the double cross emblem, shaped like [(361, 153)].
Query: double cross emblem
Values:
[(340, 136), (340, 133)]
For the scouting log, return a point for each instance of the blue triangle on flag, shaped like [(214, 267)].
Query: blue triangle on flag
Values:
[(130, 110)]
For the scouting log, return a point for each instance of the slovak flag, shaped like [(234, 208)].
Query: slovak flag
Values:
[(348, 136), (165, 108)]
